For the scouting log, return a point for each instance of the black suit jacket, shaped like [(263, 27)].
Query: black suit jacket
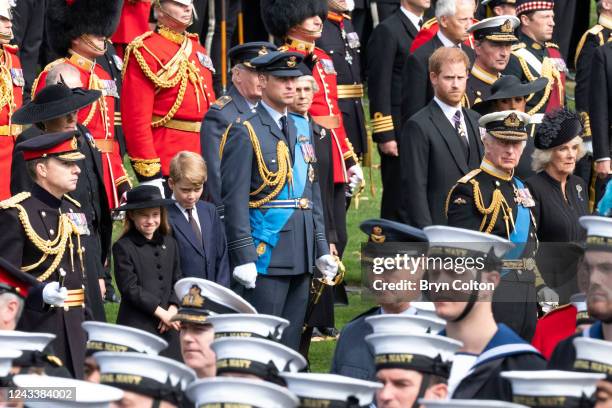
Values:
[(416, 89), (600, 101), (388, 50), (432, 160)]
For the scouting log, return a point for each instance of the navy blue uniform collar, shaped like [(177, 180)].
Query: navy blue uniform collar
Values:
[(595, 331), (45, 196)]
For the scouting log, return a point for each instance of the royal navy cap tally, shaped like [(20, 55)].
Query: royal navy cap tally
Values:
[(62, 145), (279, 64), (425, 353), (7, 355), (244, 53), (116, 337), (316, 390), (69, 393), (406, 324), (599, 231), (506, 125), (259, 357), (497, 29), (239, 392), (465, 403), (200, 298), (552, 388), (593, 355), (579, 301), (525, 6), (451, 241), (248, 325), (158, 377), (13, 280)]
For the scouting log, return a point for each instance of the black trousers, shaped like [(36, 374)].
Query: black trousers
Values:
[(392, 187)]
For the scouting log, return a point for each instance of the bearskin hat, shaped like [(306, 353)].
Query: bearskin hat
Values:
[(69, 19), (280, 15)]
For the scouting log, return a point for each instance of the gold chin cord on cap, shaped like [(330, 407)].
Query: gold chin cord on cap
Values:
[(90, 43)]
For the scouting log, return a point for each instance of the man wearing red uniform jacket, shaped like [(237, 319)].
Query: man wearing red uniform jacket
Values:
[(167, 90), (11, 93), (78, 30), (134, 21), (300, 24)]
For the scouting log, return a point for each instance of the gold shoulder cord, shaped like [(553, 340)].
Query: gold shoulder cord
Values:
[(6, 84), (498, 202), (178, 70), (549, 72), (275, 180)]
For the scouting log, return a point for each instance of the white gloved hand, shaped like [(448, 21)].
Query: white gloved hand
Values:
[(328, 267), (546, 294), (54, 295), (159, 183), (355, 175), (246, 275)]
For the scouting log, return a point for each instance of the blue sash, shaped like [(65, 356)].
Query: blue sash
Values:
[(521, 228), (265, 227)]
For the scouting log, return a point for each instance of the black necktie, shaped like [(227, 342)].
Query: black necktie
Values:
[(283, 121), (420, 23), (461, 133), (194, 226)]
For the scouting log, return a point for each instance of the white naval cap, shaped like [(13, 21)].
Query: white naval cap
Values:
[(24, 341), (441, 236), (551, 387), (593, 355), (599, 230), (200, 298), (147, 374), (243, 392), (499, 28), (424, 309), (461, 403), (69, 393), (7, 355), (5, 8), (313, 390), (248, 325), (116, 337), (255, 356), (405, 324)]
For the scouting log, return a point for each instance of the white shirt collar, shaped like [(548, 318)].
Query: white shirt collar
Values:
[(449, 111), (184, 210), (414, 19), (273, 113), (445, 40)]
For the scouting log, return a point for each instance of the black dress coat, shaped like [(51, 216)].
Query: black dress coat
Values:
[(145, 272), (432, 160)]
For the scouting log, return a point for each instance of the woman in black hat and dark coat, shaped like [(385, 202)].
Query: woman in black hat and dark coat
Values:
[(147, 266), (561, 198)]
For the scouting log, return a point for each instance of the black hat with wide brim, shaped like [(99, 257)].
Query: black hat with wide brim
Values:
[(509, 86), (143, 196), (54, 101)]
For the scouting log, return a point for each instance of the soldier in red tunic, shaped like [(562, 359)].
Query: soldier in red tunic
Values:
[(134, 22), (78, 30), (11, 93), (167, 90), (300, 25)]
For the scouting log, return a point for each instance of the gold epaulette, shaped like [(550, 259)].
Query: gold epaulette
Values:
[(47, 68), (382, 123), (54, 360), (72, 200), (428, 23), (14, 200), (595, 30), (136, 43), (146, 167), (518, 46), (549, 44), (222, 101), (469, 176)]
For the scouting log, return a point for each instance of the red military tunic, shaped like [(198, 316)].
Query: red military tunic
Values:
[(555, 326), (11, 96), (428, 30), (325, 110), (134, 21), (99, 119), (167, 90)]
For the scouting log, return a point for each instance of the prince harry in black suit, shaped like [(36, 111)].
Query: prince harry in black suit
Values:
[(440, 143)]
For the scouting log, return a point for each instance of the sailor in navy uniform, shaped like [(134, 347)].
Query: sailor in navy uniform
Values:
[(598, 254), (274, 216), (491, 200), (242, 96), (476, 369)]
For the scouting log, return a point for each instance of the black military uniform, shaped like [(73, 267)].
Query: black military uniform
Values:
[(492, 201), (340, 41), (221, 114), (43, 237), (387, 52)]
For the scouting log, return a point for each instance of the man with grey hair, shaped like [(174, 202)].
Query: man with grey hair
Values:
[(454, 17)]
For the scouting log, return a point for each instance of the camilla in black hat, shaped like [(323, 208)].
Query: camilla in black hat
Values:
[(146, 261)]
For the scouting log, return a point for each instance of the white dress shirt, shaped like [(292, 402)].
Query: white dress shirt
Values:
[(414, 19), (194, 212), (274, 114), (446, 41)]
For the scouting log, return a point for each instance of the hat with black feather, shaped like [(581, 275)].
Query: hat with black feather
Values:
[(70, 19), (558, 127), (279, 16)]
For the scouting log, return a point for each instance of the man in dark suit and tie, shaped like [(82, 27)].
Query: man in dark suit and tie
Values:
[(387, 52), (454, 18), (439, 144)]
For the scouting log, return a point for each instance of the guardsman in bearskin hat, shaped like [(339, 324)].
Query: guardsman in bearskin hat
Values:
[(300, 25), (42, 235), (167, 90), (11, 93), (535, 56), (134, 21), (78, 30)]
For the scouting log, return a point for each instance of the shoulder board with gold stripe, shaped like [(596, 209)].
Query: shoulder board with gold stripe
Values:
[(72, 200), (222, 101), (428, 23), (16, 199), (551, 45), (469, 176), (518, 46)]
